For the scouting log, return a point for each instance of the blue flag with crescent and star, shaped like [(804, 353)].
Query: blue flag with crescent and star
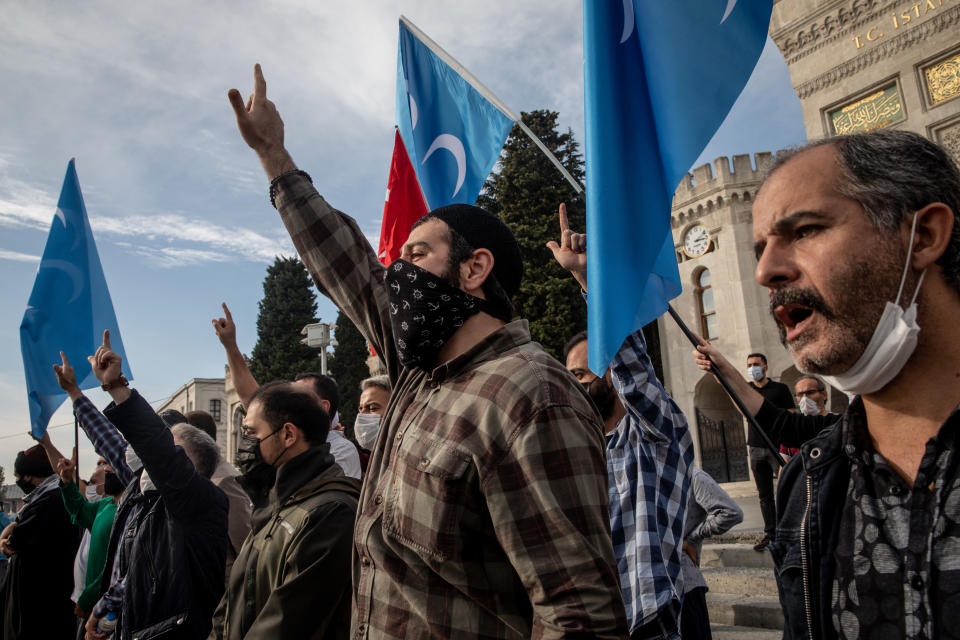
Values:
[(68, 310), (453, 134), (659, 78)]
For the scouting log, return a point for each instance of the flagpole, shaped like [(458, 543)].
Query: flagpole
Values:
[(489, 95), (730, 392), (76, 448)]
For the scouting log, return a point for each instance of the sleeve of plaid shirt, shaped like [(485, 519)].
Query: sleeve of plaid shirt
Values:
[(342, 263), (106, 440), (643, 395), (548, 502)]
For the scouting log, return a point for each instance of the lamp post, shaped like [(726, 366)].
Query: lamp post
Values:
[(318, 337)]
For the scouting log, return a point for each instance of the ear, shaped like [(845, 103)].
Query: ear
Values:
[(934, 228), (290, 434), (326, 406), (475, 270)]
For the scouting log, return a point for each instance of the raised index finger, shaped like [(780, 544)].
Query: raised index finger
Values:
[(259, 84), (106, 338), (226, 312), (564, 224)]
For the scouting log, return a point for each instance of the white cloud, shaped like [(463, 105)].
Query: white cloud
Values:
[(17, 256)]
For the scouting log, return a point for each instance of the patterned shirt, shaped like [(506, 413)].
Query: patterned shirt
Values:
[(649, 457), (484, 509), (898, 556), (106, 440)]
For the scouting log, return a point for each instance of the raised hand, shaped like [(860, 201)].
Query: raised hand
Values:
[(571, 253), (225, 328), (66, 378), (261, 126), (66, 469), (105, 363)]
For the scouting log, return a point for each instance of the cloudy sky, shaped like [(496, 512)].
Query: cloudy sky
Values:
[(136, 92)]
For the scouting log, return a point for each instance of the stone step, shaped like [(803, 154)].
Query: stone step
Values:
[(745, 611), (744, 581), (713, 556), (728, 632)]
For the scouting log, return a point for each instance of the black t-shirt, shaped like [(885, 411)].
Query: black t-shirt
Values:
[(777, 394)]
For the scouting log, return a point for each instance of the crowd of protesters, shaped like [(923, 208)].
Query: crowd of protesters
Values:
[(493, 492)]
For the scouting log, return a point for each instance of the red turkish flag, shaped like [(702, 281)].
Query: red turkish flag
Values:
[(404, 205)]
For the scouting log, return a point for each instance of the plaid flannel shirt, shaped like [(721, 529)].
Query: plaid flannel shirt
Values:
[(106, 440), (649, 458), (484, 509)]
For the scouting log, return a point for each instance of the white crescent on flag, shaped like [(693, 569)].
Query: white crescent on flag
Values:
[(452, 144), (628, 20), (726, 14)]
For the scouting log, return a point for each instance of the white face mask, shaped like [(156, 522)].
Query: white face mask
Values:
[(892, 344), (133, 461), (91, 493), (755, 372), (808, 406), (365, 429)]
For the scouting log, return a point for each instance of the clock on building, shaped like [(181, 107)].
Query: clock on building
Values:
[(696, 241)]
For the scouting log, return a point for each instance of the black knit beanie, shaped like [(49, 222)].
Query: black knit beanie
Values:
[(483, 230)]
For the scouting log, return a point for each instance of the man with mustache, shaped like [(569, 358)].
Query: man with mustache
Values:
[(483, 513), (649, 464), (857, 241)]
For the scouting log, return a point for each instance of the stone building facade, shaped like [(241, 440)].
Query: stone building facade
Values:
[(858, 65), (203, 394)]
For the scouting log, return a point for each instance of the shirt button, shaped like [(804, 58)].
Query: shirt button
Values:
[(378, 499), (894, 490), (365, 561), (425, 462), (362, 629), (916, 582)]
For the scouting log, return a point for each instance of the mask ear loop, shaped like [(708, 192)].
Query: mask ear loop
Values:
[(906, 267)]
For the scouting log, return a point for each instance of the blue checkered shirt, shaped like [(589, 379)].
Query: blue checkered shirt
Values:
[(106, 440), (649, 460)]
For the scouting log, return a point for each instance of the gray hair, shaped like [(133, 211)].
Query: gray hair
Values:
[(377, 381), (821, 386), (892, 174), (199, 447)]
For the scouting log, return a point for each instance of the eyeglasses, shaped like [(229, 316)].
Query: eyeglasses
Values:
[(802, 394)]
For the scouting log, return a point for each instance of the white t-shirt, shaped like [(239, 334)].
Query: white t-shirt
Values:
[(345, 453)]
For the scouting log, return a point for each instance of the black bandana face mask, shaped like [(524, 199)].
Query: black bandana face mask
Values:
[(425, 310)]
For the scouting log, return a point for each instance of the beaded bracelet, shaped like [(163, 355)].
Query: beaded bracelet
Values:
[(275, 181)]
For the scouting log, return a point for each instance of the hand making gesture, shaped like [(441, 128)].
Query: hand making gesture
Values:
[(571, 253), (105, 364), (66, 377), (225, 328), (261, 126)]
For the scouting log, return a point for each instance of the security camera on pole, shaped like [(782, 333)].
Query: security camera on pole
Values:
[(318, 337)]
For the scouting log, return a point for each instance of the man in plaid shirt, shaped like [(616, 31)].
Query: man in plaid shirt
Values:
[(484, 509), (649, 461)]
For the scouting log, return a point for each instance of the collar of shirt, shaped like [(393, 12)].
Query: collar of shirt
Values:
[(510, 336)]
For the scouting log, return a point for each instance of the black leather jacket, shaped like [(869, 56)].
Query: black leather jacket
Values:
[(810, 497), (178, 541)]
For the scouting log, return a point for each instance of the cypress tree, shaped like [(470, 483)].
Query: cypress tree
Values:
[(288, 304)]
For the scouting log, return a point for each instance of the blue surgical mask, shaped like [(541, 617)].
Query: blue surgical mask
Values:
[(755, 372)]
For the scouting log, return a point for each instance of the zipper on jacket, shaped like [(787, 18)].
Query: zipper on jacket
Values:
[(805, 557)]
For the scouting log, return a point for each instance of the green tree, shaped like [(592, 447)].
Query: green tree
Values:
[(525, 192), (348, 366), (288, 304)]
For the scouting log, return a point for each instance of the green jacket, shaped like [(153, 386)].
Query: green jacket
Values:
[(97, 517), (291, 578)]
